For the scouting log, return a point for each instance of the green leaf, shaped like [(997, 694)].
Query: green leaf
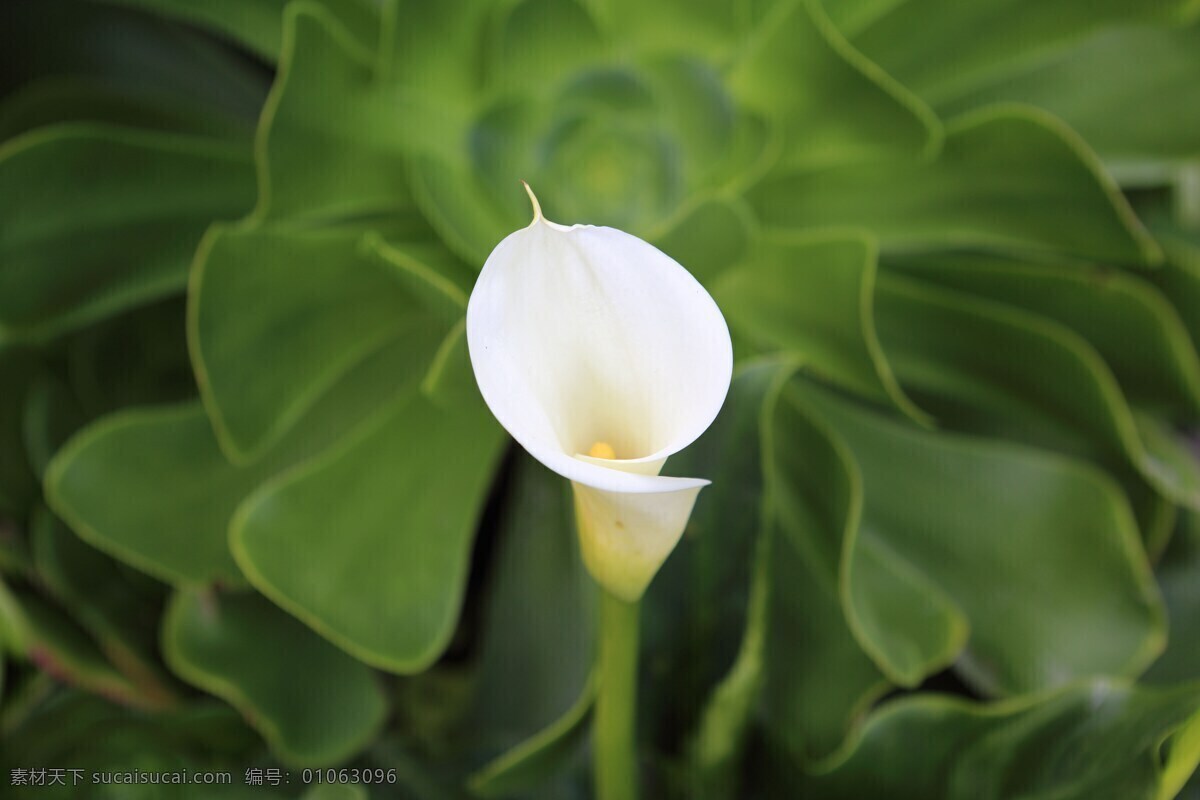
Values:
[(1183, 753), (717, 746), (707, 239), (812, 296), (818, 678), (540, 756), (44, 634), (990, 369), (1179, 277), (257, 24), (169, 460), (1179, 577), (798, 659), (51, 415), (697, 608), (113, 223), (329, 141), (710, 27), (14, 634), (141, 58), (533, 690), (941, 49), (439, 282), (318, 291), (1147, 72), (939, 508), (1132, 325), (832, 104), (117, 610), (403, 494), (547, 38), (314, 704), (851, 16), (1097, 740), (1002, 179), (424, 43), (457, 207), (62, 99), (138, 358)]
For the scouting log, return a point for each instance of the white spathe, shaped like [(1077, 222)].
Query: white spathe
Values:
[(585, 335)]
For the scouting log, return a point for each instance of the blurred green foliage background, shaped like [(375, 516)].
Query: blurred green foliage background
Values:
[(254, 515)]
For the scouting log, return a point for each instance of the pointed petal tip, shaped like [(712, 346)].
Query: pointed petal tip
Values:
[(537, 207)]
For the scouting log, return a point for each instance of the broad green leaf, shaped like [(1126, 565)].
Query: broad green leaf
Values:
[(545, 754), (1131, 93), (707, 239), (140, 57), (186, 491), (137, 358), (942, 48), (433, 276), (1179, 766), (404, 494), (851, 16), (833, 105), (44, 634), (811, 297), (50, 416), (423, 44), (114, 607), (169, 457), (709, 27), (638, 146), (1001, 179), (717, 746), (1098, 740), (826, 617), (13, 628), (258, 24), (1179, 576), (544, 38), (329, 139), (1179, 277), (692, 104), (532, 693), (1131, 324), (456, 205), (696, 611), (940, 509), (278, 317), (60, 99), (313, 703), (1155, 514), (113, 222), (816, 678), (987, 368)]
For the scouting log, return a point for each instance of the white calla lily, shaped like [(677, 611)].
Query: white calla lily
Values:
[(602, 356)]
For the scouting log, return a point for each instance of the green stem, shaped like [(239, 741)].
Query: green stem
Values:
[(614, 727)]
